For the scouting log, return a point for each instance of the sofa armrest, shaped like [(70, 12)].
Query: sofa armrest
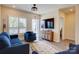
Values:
[(21, 49)]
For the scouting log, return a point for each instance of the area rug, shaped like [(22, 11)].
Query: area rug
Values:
[(45, 47)]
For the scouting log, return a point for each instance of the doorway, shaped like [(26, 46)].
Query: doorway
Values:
[(36, 27), (67, 23), (61, 27)]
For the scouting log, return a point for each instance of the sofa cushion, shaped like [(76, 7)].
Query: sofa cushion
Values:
[(15, 42), (73, 51), (4, 42), (6, 34)]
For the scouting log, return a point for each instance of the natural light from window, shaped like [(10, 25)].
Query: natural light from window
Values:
[(17, 25)]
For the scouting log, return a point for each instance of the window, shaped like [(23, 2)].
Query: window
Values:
[(13, 25), (22, 25), (17, 25)]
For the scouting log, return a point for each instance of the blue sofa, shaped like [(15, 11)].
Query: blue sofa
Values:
[(12, 44), (21, 49), (29, 36), (14, 40), (73, 49), (4, 42)]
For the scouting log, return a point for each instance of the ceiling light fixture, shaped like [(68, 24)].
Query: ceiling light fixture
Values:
[(34, 8)]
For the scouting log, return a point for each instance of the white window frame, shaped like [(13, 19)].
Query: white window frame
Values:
[(21, 27), (18, 28)]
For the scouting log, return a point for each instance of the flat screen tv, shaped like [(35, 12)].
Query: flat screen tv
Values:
[(48, 23)]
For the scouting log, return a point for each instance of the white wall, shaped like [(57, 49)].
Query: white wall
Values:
[(54, 14), (69, 26), (77, 25)]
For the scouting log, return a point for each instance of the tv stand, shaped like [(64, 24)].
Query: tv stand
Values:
[(47, 35), (47, 28)]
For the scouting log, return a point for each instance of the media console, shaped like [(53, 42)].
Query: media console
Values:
[(47, 25)]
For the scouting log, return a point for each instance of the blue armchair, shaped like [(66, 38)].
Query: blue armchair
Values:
[(29, 36)]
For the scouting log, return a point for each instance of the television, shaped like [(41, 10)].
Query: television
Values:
[(48, 23)]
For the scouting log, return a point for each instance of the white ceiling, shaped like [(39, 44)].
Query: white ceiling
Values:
[(42, 8)]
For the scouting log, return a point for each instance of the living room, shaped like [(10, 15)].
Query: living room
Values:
[(18, 20)]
